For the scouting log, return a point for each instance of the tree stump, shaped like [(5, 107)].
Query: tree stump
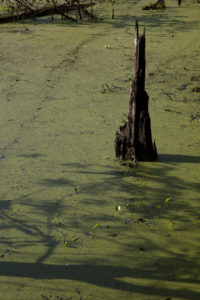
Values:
[(133, 140)]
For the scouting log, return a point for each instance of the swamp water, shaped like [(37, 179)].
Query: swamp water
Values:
[(64, 92)]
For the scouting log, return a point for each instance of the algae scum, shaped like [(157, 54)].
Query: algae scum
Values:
[(75, 224)]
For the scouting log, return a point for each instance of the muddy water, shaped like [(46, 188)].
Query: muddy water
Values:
[(64, 92)]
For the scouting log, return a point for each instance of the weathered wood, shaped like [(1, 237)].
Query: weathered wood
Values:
[(133, 140), (62, 9)]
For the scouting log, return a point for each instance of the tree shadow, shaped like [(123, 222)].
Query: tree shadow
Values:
[(32, 155), (4, 204), (155, 19), (56, 182), (171, 266), (100, 275), (177, 158)]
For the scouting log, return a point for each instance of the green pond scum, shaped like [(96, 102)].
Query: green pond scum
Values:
[(76, 223)]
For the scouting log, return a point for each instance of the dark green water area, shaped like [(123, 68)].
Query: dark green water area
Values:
[(74, 222)]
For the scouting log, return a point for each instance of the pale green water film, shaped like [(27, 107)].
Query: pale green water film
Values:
[(75, 223)]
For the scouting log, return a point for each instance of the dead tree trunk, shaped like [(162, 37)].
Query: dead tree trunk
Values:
[(134, 140)]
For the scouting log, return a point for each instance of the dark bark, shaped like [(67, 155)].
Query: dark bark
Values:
[(134, 140), (62, 9), (113, 9)]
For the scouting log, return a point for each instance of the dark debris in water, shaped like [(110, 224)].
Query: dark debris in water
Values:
[(24, 31), (78, 291), (195, 78), (8, 251), (169, 110), (110, 88), (51, 297), (195, 116), (113, 235), (151, 74), (183, 87), (121, 173), (2, 156), (141, 220), (196, 89), (4, 204)]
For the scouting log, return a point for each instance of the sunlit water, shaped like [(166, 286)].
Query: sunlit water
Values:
[(75, 223)]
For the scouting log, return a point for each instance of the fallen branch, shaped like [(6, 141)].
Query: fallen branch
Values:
[(159, 4), (62, 9)]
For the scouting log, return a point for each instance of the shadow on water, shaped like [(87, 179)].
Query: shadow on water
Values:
[(177, 158), (4, 204), (152, 19), (31, 155), (56, 182), (101, 275), (149, 185), (171, 266)]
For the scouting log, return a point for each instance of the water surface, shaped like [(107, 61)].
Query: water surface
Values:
[(64, 92)]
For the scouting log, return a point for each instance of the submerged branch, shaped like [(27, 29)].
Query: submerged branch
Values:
[(159, 4), (24, 10)]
